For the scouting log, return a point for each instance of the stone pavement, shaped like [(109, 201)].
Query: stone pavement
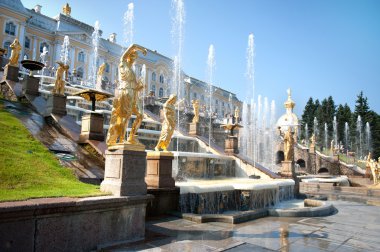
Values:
[(355, 227)]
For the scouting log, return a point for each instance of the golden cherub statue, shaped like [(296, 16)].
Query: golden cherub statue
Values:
[(126, 101), (59, 85), (15, 53), (168, 125), (195, 104), (288, 145), (99, 76)]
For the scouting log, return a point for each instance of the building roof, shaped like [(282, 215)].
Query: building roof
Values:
[(15, 5)]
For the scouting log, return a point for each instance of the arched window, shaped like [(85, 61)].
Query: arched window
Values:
[(107, 68), (153, 76), (161, 92), (154, 88), (27, 43), (10, 28), (42, 45), (80, 72), (7, 47), (161, 78), (81, 57)]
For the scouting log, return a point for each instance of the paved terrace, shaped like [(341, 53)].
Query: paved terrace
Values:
[(355, 227)]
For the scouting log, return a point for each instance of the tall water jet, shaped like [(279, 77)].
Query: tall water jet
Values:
[(143, 77), (346, 135), (335, 131), (368, 138), (315, 128), (94, 63), (128, 24), (306, 135), (64, 56), (359, 137), (178, 18), (210, 77), (326, 137), (250, 63), (272, 131)]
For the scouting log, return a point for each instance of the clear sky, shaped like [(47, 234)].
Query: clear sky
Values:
[(316, 47)]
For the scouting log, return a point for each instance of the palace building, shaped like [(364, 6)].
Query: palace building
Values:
[(37, 31)]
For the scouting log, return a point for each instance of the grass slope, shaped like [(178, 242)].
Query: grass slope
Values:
[(29, 170)]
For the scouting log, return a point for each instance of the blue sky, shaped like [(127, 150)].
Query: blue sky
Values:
[(317, 48)]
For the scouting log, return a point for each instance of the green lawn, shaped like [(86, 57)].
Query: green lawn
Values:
[(29, 170)]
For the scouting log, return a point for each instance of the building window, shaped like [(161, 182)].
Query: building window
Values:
[(216, 102), (42, 45), (153, 76), (107, 68), (161, 92), (27, 43), (154, 88), (81, 56), (10, 28), (161, 78), (202, 97), (194, 95), (223, 104), (8, 48), (80, 72)]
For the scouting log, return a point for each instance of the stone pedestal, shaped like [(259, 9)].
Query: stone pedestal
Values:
[(287, 168), (11, 73), (30, 85), (194, 129), (312, 149), (92, 127), (56, 104), (231, 145), (159, 170), (125, 171)]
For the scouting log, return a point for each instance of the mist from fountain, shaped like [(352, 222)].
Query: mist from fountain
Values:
[(128, 19), (210, 78), (143, 77)]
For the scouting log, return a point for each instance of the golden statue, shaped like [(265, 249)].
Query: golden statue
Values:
[(59, 85), (126, 101), (237, 114), (100, 74), (66, 9), (374, 170), (168, 125), (15, 53), (288, 145), (196, 110)]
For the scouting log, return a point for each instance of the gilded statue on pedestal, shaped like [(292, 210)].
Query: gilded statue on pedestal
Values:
[(59, 85), (168, 125), (100, 74), (288, 145), (237, 114), (15, 53), (196, 110), (126, 101)]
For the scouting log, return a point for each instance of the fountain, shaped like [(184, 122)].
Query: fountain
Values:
[(94, 61), (335, 131), (315, 128), (359, 137), (307, 134), (65, 48), (368, 138), (31, 83), (326, 137), (128, 24), (210, 75), (346, 136)]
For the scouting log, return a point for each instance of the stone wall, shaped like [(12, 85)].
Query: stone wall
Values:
[(66, 224)]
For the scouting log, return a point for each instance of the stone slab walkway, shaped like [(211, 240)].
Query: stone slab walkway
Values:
[(356, 227)]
